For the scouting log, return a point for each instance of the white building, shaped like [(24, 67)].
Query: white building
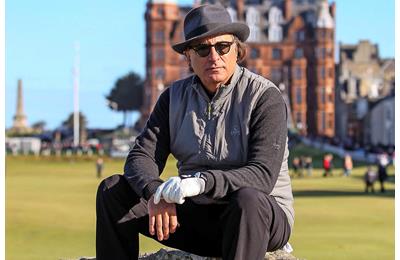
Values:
[(379, 123)]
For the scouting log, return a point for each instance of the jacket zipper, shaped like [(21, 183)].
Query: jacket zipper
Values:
[(209, 110)]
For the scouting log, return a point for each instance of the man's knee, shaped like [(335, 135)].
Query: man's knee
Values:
[(110, 182), (110, 186), (249, 199)]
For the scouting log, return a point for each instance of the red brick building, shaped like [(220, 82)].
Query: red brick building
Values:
[(291, 42)]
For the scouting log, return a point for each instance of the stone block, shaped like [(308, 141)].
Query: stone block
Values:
[(167, 254)]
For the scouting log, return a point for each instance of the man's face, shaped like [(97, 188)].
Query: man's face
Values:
[(215, 68)]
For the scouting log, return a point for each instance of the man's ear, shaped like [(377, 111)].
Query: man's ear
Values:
[(187, 56)]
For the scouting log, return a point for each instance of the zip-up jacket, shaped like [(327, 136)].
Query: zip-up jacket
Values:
[(236, 139)]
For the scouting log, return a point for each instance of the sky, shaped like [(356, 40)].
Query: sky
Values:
[(40, 39)]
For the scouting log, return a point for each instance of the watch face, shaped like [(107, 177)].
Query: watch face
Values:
[(195, 175)]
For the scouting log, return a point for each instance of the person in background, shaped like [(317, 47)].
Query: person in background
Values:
[(369, 179), (99, 167), (227, 128), (308, 165), (296, 166), (327, 164), (347, 165), (383, 162)]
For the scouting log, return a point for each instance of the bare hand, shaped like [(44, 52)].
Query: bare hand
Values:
[(162, 218)]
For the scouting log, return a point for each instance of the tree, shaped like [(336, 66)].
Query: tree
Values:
[(127, 94), (69, 123), (39, 126)]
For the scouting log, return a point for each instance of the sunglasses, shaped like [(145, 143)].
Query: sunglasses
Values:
[(222, 48)]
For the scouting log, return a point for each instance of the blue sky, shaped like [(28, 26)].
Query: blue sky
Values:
[(39, 49)]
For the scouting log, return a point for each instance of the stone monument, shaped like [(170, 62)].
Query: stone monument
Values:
[(20, 124)]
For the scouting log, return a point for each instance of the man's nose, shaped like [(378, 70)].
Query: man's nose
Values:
[(213, 54)]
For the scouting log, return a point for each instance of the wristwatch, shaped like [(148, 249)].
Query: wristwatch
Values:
[(201, 175)]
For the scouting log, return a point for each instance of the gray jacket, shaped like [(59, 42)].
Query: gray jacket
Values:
[(212, 136)]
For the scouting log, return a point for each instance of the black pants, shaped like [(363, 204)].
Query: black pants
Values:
[(244, 227)]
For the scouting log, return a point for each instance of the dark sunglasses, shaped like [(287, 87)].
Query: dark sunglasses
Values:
[(203, 50)]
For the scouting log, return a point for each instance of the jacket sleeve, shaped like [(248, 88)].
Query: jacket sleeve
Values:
[(267, 142), (146, 160)]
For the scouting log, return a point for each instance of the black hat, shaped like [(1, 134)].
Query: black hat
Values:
[(208, 20)]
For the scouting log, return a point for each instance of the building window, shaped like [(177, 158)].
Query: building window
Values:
[(160, 55), (321, 53), (297, 73), (330, 121), (252, 16), (300, 36), (276, 75), (322, 72), (254, 34), (322, 93), (323, 121), (254, 53), (276, 54), (160, 12), (328, 52), (298, 117), (330, 98), (275, 33), (322, 34), (299, 121), (298, 53), (160, 73), (159, 36), (330, 72), (298, 96)]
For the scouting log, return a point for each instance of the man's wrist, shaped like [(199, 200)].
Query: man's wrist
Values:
[(150, 189), (210, 182), (201, 176)]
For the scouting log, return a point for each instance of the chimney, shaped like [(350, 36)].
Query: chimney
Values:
[(240, 10), (332, 10), (287, 9)]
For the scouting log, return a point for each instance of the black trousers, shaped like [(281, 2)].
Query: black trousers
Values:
[(245, 226)]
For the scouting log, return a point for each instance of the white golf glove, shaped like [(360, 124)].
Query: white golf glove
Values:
[(175, 189)]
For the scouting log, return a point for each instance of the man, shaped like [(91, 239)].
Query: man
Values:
[(227, 128)]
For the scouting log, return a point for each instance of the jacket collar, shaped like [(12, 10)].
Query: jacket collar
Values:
[(223, 91)]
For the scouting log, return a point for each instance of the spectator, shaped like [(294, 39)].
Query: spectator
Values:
[(296, 166), (99, 166), (383, 161), (308, 165), (369, 178), (347, 165), (327, 165)]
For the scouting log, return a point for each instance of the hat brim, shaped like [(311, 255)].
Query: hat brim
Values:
[(240, 30)]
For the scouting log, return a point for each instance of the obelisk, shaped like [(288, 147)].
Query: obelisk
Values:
[(20, 123)]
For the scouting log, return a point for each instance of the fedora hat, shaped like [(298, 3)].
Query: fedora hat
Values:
[(209, 20)]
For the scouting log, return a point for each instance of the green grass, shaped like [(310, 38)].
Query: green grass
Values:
[(50, 212)]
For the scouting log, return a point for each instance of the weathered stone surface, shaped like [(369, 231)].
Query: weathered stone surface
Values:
[(164, 254)]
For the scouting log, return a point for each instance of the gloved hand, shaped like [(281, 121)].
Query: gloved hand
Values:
[(175, 189)]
